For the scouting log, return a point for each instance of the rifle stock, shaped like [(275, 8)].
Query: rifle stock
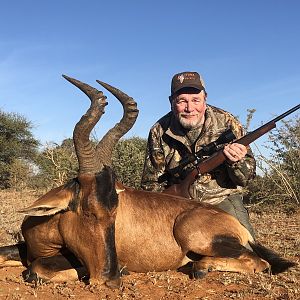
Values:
[(216, 159)]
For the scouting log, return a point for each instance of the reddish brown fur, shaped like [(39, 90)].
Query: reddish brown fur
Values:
[(155, 231)]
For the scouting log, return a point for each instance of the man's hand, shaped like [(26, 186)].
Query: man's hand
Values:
[(235, 152)]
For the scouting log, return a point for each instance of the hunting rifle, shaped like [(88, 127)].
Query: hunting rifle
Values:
[(218, 157)]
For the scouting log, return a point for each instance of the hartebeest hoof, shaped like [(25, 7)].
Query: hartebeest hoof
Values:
[(114, 283), (124, 271), (200, 274), (32, 277)]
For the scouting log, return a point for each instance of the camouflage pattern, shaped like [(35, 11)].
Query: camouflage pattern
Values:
[(168, 143)]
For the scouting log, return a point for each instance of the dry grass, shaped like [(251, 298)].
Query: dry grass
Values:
[(275, 229), (10, 219)]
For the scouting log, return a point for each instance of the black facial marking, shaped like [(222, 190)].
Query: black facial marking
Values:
[(111, 265), (73, 204), (106, 192)]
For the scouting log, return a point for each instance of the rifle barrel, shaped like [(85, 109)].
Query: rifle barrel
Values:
[(286, 113)]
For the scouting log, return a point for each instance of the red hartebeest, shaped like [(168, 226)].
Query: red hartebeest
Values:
[(153, 232)]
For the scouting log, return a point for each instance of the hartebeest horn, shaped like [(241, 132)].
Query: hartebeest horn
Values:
[(105, 147), (85, 150)]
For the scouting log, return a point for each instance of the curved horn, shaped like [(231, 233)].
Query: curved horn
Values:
[(85, 151), (105, 147)]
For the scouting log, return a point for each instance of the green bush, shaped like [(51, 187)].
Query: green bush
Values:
[(128, 160)]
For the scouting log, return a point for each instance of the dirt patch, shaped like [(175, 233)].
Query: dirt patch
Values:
[(276, 229)]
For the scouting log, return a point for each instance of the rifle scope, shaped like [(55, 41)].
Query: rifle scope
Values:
[(226, 137)]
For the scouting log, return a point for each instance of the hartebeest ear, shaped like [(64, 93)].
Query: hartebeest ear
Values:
[(51, 203)]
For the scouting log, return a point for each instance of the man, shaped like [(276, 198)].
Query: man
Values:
[(190, 125)]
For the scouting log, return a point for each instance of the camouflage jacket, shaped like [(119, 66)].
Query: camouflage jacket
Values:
[(168, 144)]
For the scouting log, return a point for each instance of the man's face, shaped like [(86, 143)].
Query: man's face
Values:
[(189, 108)]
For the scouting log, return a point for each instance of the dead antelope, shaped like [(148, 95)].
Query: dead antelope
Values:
[(153, 231)]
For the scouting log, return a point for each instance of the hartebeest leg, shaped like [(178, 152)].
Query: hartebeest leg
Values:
[(227, 254), (57, 268), (219, 240), (13, 255), (246, 263)]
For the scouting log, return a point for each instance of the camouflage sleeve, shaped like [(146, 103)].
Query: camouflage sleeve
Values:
[(242, 171), (154, 164)]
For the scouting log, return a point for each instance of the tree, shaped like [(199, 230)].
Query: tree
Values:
[(16, 143)]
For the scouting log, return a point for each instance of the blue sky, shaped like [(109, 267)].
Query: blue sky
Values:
[(247, 51)]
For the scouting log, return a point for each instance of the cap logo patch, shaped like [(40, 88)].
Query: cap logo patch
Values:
[(181, 78)]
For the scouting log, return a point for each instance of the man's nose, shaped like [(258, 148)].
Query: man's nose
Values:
[(188, 106)]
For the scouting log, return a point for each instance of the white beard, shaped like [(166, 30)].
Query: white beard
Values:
[(189, 124)]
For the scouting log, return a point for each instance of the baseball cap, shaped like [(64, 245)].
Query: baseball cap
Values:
[(186, 80)]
